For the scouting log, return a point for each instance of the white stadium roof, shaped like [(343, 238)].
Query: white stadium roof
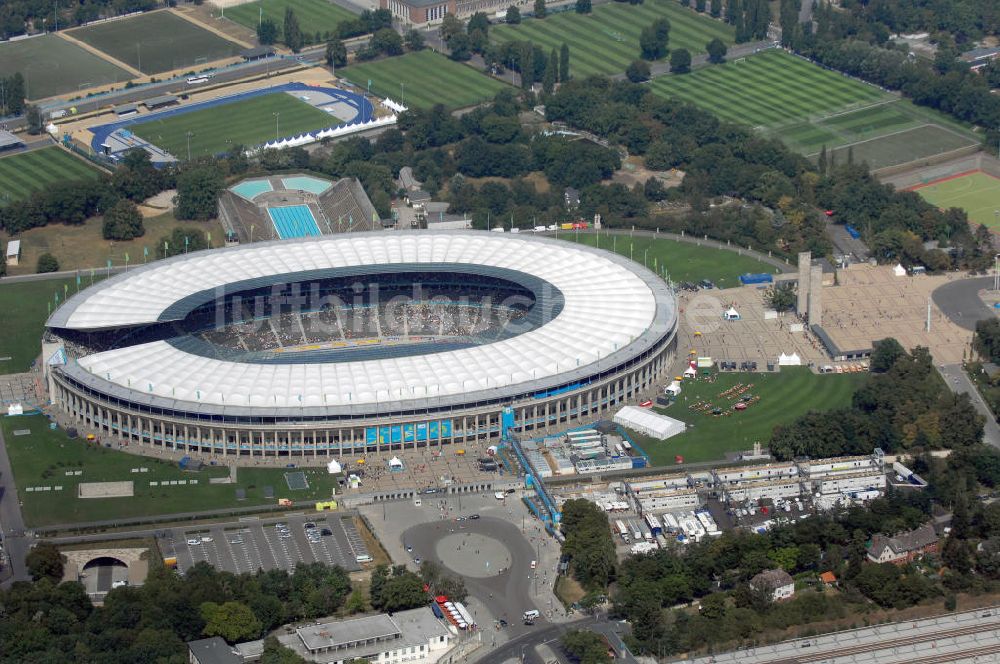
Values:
[(609, 303)]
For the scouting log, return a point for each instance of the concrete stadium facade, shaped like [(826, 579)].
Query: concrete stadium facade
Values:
[(476, 410)]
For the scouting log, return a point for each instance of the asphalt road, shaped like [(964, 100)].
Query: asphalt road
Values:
[(960, 383), (505, 595), (523, 645), (959, 301), (15, 544)]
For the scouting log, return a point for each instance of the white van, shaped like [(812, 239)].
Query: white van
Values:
[(532, 614)]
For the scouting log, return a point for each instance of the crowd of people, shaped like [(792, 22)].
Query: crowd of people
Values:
[(477, 322)]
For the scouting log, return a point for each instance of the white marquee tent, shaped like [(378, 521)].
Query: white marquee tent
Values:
[(792, 360), (647, 422), (333, 467)]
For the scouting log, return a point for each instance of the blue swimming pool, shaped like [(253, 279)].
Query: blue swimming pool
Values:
[(305, 183), (252, 188), (293, 221)]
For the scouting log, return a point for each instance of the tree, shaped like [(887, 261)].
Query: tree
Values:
[(336, 53), (540, 9), (267, 32), (680, 61), (513, 15), (44, 560), (551, 75), (564, 63), (47, 263), (715, 8), (586, 647), (34, 117), (386, 40), (293, 33), (198, 189), (180, 241), (638, 71), (885, 352), (233, 621), (782, 297), (716, 51), (583, 6), (414, 40), (396, 591), (123, 221), (275, 653)]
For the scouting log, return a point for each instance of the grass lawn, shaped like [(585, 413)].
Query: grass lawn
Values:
[(248, 122), (43, 458), (21, 330), (53, 66), (606, 41), (784, 396), (83, 247), (26, 172), (769, 88), (314, 15), (157, 42), (902, 147), (684, 261), (428, 78), (977, 193)]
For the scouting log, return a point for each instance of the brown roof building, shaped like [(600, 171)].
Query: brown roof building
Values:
[(904, 547)]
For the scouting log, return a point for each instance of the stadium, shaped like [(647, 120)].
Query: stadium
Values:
[(359, 342)]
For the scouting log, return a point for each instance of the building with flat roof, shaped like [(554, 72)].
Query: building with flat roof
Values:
[(9, 141), (772, 489), (212, 650), (416, 636), (768, 471)]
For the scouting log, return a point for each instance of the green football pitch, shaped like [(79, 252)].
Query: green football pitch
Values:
[(249, 122), (784, 396), (768, 89), (52, 66), (607, 40), (684, 260), (977, 193), (157, 42), (424, 79), (315, 16), (24, 173)]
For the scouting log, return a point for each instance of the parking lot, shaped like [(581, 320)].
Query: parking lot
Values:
[(272, 544)]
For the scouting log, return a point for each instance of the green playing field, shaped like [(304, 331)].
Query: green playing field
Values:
[(249, 122), (315, 16), (977, 193), (156, 42), (27, 172), (607, 40), (783, 396), (52, 65), (423, 79)]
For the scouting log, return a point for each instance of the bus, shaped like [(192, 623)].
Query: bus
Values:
[(195, 80)]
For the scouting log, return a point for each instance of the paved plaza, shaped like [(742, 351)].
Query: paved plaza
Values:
[(867, 303)]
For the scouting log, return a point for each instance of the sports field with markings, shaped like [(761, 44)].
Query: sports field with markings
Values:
[(809, 107), (27, 172), (977, 193), (249, 122), (52, 65), (606, 41), (427, 78), (156, 42), (313, 15)]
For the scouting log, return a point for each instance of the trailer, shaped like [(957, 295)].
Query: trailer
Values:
[(621, 528), (654, 524)]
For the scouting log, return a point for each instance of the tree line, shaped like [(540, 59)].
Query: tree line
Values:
[(18, 17), (48, 621)]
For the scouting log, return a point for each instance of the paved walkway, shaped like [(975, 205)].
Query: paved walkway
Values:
[(15, 543)]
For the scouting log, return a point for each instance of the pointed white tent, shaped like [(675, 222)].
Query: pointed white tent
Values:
[(731, 314), (333, 467)]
